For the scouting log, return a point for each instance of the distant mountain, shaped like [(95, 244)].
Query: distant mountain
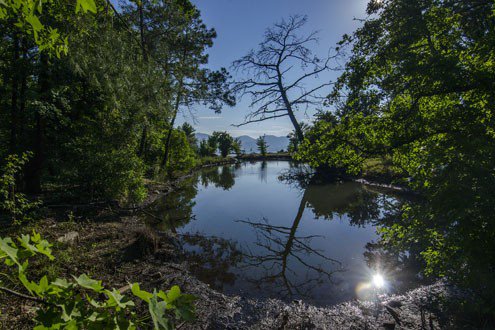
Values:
[(277, 143), (201, 136), (248, 144)]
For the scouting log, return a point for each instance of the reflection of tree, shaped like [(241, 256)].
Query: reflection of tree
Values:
[(211, 259), (263, 172), (221, 177), (327, 200), (175, 209), (400, 266), (360, 205), (285, 251)]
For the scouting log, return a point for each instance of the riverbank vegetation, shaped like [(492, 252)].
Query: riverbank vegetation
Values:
[(90, 94), (99, 118), (418, 90)]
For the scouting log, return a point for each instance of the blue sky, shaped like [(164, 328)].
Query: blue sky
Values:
[(240, 25)]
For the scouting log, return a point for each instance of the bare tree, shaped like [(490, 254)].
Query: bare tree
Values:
[(266, 74)]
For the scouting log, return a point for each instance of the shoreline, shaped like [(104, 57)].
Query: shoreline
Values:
[(110, 245)]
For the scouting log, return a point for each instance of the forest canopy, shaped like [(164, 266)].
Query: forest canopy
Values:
[(95, 106)]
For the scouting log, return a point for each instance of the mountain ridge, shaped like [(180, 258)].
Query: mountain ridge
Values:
[(248, 143)]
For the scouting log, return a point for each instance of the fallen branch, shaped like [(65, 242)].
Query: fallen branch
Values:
[(24, 296)]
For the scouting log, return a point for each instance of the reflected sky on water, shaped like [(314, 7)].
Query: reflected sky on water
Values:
[(269, 229)]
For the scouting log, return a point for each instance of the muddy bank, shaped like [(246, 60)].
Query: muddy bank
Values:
[(122, 250)]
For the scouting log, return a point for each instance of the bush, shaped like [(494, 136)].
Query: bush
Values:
[(12, 202), (82, 302)]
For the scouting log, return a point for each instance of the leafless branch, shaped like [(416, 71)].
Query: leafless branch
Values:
[(265, 72)]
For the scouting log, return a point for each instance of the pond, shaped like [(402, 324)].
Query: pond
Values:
[(264, 230)]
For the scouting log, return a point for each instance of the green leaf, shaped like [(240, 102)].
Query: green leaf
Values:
[(35, 23), (42, 286), (25, 243), (62, 283), (45, 248), (157, 311), (86, 5), (88, 283), (173, 294), (8, 250), (36, 237), (117, 299), (141, 294)]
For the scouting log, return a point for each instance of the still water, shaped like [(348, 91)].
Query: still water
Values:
[(264, 230)]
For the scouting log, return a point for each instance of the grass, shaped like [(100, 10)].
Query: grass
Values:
[(379, 168)]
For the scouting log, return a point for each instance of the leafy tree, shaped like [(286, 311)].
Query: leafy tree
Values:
[(418, 88), (174, 35), (262, 145), (190, 135), (208, 147), (28, 18), (98, 119), (12, 202), (183, 156), (237, 147), (225, 143), (204, 149)]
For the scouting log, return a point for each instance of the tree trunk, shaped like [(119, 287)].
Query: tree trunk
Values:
[(288, 105), (144, 133), (142, 143), (141, 29), (290, 241), (35, 166), (14, 112), (169, 134), (22, 96)]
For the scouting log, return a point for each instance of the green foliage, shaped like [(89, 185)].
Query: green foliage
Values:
[(204, 149), (83, 302), (28, 16), (182, 155), (109, 173), (225, 142), (262, 145), (190, 135), (18, 207), (237, 147), (208, 148), (419, 90), (97, 119)]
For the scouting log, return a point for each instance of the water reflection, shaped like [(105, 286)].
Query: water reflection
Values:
[(221, 177), (281, 253), (212, 259), (263, 173), (311, 240)]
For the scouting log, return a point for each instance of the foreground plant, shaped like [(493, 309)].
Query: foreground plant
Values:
[(13, 202), (82, 302)]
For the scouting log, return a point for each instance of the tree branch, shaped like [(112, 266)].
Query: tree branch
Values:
[(24, 296)]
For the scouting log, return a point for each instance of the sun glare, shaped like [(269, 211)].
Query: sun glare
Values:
[(378, 281)]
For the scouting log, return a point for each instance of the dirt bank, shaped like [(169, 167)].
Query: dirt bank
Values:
[(118, 251)]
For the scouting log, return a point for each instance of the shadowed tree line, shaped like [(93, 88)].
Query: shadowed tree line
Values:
[(99, 117)]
